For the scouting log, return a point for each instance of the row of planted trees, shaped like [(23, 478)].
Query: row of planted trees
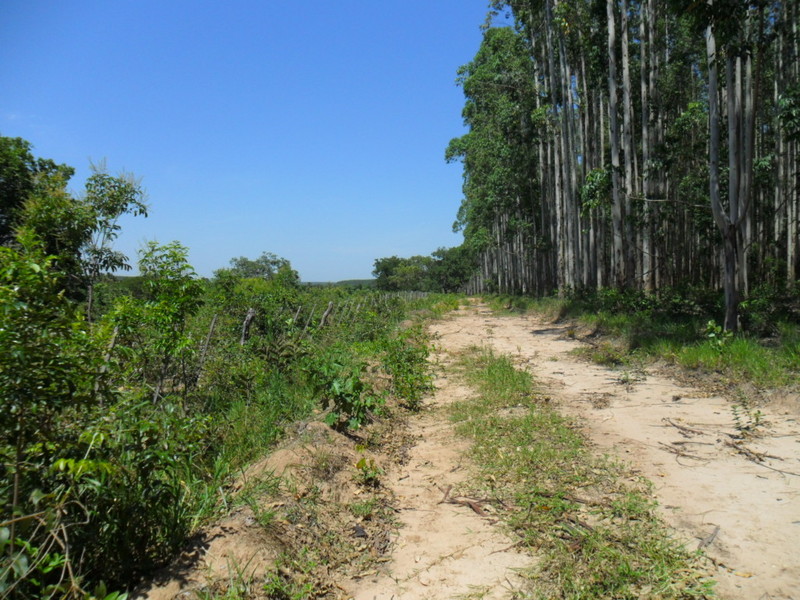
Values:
[(127, 405), (638, 145)]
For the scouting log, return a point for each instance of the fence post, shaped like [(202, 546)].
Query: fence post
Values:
[(201, 361), (326, 314), (251, 314)]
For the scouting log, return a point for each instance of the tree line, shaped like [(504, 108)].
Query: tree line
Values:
[(635, 145)]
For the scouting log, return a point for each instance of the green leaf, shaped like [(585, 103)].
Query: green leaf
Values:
[(36, 496)]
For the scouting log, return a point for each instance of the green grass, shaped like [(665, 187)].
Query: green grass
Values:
[(675, 329), (740, 358), (598, 533)]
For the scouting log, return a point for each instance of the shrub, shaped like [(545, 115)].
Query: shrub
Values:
[(406, 361)]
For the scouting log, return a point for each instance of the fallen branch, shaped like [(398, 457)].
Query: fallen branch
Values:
[(759, 458), (686, 431), (754, 456), (679, 452), (507, 548), (473, 504), (706, 541)]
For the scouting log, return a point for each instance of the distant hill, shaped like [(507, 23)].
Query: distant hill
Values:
[(350, 283)]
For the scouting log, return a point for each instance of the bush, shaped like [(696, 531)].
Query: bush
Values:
[(50, 376), (406, 361)]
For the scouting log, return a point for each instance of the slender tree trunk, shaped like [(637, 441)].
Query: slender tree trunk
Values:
[(627, 143), (647, 248), (723, 221), (792, 190), (655, 137), (558, 158), (617, 258)]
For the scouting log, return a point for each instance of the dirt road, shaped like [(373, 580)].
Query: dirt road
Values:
[(737, 500)]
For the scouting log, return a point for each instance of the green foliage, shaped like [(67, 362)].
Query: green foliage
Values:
[(452, 267), (266, 266), (107, 199), (446, 270), (116, 473), (337, 378), (789, 107), (80, 232), (63, 224), (596, 192), (21, 174), (46, 358), (406, 361), (717, 335), (769, 304), (48, 380), (395, 274), (369, 473), (281, 587), (139, 505), (153, 339), (117, 438), (498, 151)]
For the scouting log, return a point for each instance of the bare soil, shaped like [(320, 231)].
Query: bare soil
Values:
[(734, 496)]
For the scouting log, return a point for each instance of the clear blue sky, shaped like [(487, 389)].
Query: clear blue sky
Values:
[(315, 130)]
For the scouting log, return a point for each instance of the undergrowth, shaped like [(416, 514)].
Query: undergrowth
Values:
[(594, 524), (681, 327), (120, 437), (311, 522)]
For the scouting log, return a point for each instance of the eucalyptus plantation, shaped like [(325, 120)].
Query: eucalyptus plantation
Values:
[(633, 144)]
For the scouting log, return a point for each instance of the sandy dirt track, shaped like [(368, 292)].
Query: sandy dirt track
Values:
[(745, 513)]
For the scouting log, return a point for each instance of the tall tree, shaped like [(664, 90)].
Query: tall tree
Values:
[(500, 203), (21, 173)]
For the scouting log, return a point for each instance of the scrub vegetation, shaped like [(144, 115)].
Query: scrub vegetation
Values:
[(130, 404)]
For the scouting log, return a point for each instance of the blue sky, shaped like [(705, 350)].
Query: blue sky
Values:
[(315, 130)]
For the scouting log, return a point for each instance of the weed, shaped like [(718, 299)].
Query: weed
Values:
[(240, 585), (369, 473), (337, 377), (364, 510), (253, 495), (290, 580), (746, 418), (475, 593), (718, 337), (629, 378), (325, 464), (406, 361), (604, 353)]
